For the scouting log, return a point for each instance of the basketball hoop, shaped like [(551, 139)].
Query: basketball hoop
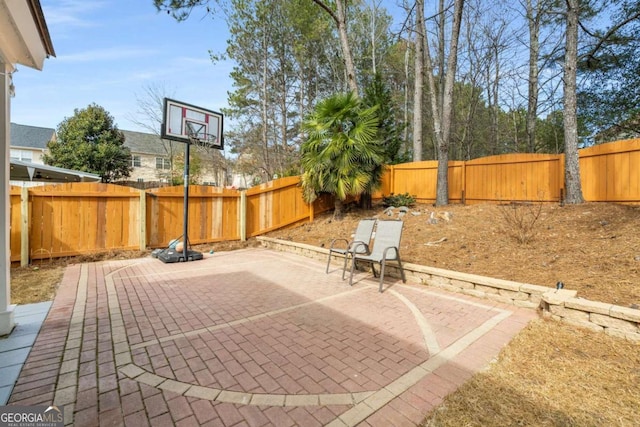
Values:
[(203, 140), (194, 126), (190, 124)]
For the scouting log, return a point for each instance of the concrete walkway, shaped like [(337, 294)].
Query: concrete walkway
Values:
[(15, 347), (254, 338)]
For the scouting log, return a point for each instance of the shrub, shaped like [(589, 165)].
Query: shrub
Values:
[(405, 199), (520, 220)]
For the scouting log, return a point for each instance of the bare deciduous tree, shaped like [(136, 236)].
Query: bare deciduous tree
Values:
[(339, 16)]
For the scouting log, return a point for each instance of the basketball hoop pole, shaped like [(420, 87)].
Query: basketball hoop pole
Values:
[(185, 230)]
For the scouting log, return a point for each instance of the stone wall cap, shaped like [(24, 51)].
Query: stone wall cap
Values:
[(558, 296)]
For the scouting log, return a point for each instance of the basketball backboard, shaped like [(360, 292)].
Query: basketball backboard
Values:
[(187, 123)]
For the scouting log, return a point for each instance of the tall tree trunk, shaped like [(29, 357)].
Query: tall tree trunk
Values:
[(374, 14), (341, 6), (418, 80), (265, 141), (338, 208), (442, 188), (405, 86), (533, 19), (572, 164), (441, 58), (340, 18)]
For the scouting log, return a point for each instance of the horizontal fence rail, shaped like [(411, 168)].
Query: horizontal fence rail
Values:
[(78, 218)]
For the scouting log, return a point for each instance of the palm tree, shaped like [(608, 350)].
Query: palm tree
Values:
[(341, 152)]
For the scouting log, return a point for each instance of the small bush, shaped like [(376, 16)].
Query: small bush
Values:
[(405, 199), (520, 220)]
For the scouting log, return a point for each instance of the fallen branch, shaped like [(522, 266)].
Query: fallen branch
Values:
[(436, 243)]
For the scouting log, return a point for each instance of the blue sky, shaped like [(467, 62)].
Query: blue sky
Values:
[(108, 51)]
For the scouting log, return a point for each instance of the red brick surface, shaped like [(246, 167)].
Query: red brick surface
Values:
[(265, 323)]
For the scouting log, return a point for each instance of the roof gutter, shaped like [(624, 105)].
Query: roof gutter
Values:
[(41, 24)]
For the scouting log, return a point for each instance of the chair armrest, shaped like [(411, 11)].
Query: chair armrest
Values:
[(384, 252), (334, 241), (355, 246)]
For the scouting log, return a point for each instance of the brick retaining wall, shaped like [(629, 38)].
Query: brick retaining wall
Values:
[(562, 305)]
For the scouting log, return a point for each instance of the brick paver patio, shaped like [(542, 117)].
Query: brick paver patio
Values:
[(254, 338)]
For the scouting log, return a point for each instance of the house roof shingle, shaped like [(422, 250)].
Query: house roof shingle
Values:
[(31, 136), (144, 143), (25, 136)]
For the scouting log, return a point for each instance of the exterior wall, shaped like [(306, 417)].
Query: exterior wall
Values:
[(36, 154), (147, 170)]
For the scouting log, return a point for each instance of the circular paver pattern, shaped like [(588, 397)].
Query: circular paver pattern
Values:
[(272, 339)]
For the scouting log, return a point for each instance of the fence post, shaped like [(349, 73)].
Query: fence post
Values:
[(464, 182), (143, 220), (392, 181), (24, 226), (243, 215)]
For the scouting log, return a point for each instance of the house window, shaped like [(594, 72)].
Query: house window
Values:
[(162, 163), (140, 179), (136, 162), (22, 155)]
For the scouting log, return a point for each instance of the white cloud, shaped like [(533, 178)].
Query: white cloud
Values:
[(108, 54), (70, 13)]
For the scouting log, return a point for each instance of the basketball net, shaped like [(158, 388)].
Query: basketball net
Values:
[(204, 141)]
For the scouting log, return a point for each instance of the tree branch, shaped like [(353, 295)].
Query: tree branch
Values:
[(328, 10), (592, 53)]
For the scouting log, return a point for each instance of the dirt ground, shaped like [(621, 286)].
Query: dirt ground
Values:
[(591, 248)]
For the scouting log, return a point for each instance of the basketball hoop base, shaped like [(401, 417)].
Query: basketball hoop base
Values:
[(169, 256)]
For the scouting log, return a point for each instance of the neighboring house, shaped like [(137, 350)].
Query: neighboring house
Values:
[(150, 155), (151, 159), (28, 143)]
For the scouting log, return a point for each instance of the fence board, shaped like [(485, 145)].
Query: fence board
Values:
[(71, 219), (213, 214), (610, 172), (417, 178), (513, 177), (274, 205)]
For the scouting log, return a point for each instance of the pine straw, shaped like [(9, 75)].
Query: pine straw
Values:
[(551, 374), (34, 284), (39, 281)]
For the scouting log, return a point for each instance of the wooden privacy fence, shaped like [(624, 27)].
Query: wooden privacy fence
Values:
[(609, 173), (78, 218), (72, 219)]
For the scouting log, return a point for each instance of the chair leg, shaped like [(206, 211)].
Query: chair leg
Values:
[(344, 266), (353, 264), (404, 278), (382, 264), (328, 262)]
